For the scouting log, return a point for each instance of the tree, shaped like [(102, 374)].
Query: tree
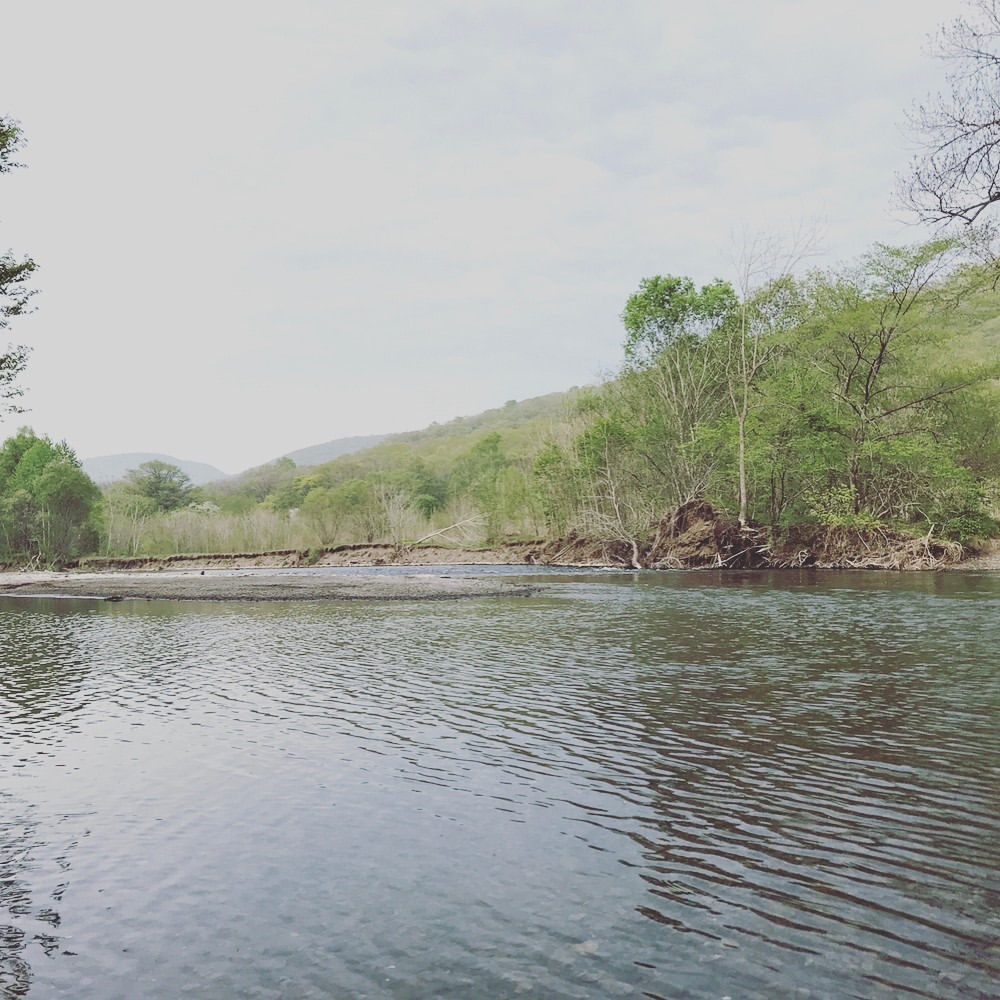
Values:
[(956, 173), (671, 389), (14, 291), (166, 485), (769, 303), (667, 309), (45, 497), (426, 491), (124, 515), (876, 337), (479, 474)]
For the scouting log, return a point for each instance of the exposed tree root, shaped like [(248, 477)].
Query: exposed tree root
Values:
[(692, 536)]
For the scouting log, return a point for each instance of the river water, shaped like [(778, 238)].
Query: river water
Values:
[(630, 785)]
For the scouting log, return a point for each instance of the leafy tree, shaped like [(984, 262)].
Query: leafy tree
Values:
[(875, 336), (557, 484), (15, 273), (426, 491), (323, 512), (479, 475), (769, 303), (45, 497), (168, 486), (619, 501), (124, 514), (671, 389), (667, 309)]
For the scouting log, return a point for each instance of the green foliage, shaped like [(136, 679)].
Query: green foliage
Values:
[(667, 309), (244, 492), (837, 508), (46, 499), (426, 491), (557, 485), (167, 486), (857, 397), (479, 474)]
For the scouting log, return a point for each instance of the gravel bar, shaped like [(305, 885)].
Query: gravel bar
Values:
[(257, 586)]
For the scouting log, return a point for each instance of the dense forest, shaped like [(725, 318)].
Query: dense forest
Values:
[(862, 400)]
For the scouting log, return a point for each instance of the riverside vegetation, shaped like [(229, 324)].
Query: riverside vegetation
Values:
[(844, 417), (847, 417)]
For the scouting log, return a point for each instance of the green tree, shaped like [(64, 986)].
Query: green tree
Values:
[(15, 293), (667, 309), (769, 303), (46, 498), (124, 514), (168, 486), (479, 474), (426, 491), (877, 335), (671, 391), (557, 483)]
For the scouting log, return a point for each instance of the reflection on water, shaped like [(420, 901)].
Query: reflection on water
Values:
[(648, 785)]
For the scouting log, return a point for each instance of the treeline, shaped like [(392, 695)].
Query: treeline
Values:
[(861, 397), (865, 397)]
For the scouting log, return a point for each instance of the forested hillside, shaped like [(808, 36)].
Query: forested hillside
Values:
[(859, 402), (841, 406)]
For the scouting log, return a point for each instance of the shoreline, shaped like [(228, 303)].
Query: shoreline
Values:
[(256, 584), (285, 576)]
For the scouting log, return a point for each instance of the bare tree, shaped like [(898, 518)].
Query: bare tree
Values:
[(14, 293), (956, 173)]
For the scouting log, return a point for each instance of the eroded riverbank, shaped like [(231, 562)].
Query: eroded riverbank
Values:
[(295, 575)]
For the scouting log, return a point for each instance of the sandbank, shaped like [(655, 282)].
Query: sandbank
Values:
[(257, 585)]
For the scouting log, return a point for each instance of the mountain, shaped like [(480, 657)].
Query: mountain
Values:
[(318, 453), (110, 468), (521, 422), (513, 416)]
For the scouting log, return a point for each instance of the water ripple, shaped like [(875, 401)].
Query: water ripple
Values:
[(636, 785)]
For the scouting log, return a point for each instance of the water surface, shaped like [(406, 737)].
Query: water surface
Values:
[(635, 785)]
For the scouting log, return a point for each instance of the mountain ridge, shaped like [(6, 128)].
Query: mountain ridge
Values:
[(105, 469)]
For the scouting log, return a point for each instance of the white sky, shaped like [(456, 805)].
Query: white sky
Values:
[(265, 225)]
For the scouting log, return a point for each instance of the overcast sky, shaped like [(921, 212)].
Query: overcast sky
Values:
[(261, 226)]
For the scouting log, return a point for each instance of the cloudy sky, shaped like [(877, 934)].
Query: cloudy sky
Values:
[(262, 226)]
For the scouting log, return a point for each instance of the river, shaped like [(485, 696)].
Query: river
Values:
[(650, 785)]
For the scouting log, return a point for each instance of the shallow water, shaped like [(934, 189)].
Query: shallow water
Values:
[(636, 785)]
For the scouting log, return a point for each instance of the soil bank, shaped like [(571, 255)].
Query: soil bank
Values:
[(691, 537)]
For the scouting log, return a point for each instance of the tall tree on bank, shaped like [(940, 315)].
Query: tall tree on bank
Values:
[(956, 173), (671, 381), (876, 336), (45, 499), (15, 274), (769, 303)]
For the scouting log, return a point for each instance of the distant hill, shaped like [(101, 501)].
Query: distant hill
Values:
[(318, 453), (111, 468), (521, 423), (437, 441), (512, 415)]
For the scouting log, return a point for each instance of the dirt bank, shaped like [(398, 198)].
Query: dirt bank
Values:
[(693, 536)]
